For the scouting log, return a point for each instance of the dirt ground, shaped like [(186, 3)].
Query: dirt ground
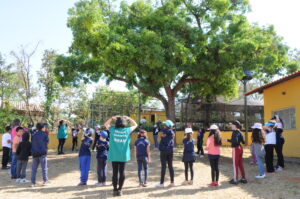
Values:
[(64, 176)]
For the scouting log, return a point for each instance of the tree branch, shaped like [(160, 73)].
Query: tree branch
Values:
[(184, 79)]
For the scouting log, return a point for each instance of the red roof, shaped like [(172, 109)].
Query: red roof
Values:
[(279, 81)]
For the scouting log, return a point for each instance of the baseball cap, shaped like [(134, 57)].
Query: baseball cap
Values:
[(188, 130), (269, 124), (213, 127), (169, 123), (236, 122), (257, 126), (104, 134)]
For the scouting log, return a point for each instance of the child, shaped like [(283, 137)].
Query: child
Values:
[(6, 147), (85, 157), (270, 145), (213, 145), (253, 159), (23, 152), (15, 144), (258, 148), (102, 151), (39, 150), (200, 142), (97, 136), (188, 155), (75, 132), (237, 153), (142, 154), (279, 143), (166, 147)]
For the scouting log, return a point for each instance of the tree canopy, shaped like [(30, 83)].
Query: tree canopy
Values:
[(159, 49)]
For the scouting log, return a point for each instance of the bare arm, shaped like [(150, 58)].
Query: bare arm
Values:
[(133, 123), (135, 152), (148, 151), (107, 123)]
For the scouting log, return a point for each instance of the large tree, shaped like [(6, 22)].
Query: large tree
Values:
[(159, 49), (47, 80)]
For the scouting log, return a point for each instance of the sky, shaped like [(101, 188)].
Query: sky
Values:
[(27, 22)]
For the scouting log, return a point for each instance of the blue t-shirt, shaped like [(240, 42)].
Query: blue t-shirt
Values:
[(119, 141), (85, 146), (141, 148), (188, 146), (200, 136), (167, 142), (102, 149)]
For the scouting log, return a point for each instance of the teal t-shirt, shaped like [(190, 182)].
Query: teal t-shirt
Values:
[(62, 132), (119, 144)]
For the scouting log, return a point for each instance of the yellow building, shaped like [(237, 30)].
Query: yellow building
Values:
[(282, 97), (150, 115)]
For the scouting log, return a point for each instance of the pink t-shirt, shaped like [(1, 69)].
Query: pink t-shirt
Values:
[(14, 132), (212, 149)]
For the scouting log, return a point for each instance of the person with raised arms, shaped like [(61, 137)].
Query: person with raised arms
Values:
[(119, 151)]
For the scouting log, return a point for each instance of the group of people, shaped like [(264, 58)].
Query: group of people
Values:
[(113, 144), (18, 144)]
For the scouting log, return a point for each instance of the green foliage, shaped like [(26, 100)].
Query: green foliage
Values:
[(163, 48), (48, 81), (7, 115)]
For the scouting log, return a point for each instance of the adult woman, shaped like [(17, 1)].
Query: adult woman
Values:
[(119, 150), (62, 135), (279, 142)]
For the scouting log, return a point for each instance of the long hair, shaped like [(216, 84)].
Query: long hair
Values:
[(217, 137), (120, 122), (16, 122), (60, 123), (257, 136)]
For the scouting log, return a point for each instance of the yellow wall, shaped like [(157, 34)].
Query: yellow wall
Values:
[(179, 137), (159, 115), (275, 100)]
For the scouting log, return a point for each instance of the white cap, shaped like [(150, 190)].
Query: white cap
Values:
[(91, 131), (257, 126), (213, 127), (33, 128), (188, 130), (98, 126)]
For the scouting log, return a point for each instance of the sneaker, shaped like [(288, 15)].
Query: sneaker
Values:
[(119, 193), (260, 176), (279, 169), (13, 178), (46, 183), (171, 185), (185, 182), (217, 184), (233, 182), (23, 181), (191, 182), (212, 184), (160, 185), (145, 184), (18, 179), (33, 185), (201, 156), (141, 185), (81, 184), (115, 193), (244, 181), (99, 184), (5, 168), (104, 184)]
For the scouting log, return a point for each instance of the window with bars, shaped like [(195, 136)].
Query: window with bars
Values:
[(288, 115)]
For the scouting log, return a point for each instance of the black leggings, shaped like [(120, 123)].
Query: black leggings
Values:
[(74, 143), (61, 143), (200, 148), (166, 158), (280, 158), (118, 174), (269, 157), (186, 170), (214, 165)]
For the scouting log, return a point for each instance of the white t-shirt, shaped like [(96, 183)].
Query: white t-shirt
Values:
[(271, 138), (279, 125), (5, 138)]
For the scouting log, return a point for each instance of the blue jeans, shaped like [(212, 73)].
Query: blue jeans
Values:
[(260, 162), (13, 168), (155, 138), (84, 166), (35, 164), (101, 169), (143, 163)]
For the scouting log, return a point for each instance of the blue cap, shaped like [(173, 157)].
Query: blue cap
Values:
[(169, 123), (269, 124), (104, 134)]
